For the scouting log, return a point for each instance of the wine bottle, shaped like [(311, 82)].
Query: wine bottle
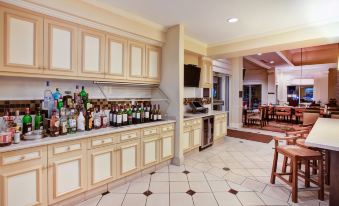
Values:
[(124, 116), (159, 113), (129, 115), (115, 116), (134, 114), (142, 113), (111, 116), (147, 111), (27, 122), (119, 117), (138, 116), (155, 113)]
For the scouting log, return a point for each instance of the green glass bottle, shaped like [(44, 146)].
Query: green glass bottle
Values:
[(130, 115), (38, 122), (27, 122)]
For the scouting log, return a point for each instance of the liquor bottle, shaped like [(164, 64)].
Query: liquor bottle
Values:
[(27, 122), (138, 115), (72, 122), (83, 96), (124, 116), (104, 119), (38, 121), (129, 115), (63, 122), (159, 113), (115, 112), (97, 118), (81, 122), (57, 95), (119, 117), (67, 99), (18, 122), (48, 100), (89, 120), (151, 113), (155, 114), (147, 113), (134, 114), (54, 125), (77, 99), (111, 116), (142, 113)]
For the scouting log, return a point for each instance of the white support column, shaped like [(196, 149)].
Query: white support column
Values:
[(236, 85), (172, 83)]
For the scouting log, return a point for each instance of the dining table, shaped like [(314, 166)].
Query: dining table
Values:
[(325, 135)]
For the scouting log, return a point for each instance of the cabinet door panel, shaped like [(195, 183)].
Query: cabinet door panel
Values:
[(92, 53), (60, 47), (186, 141), (26, 183), (216, 130), (68, 176), (153, 63), (150, 149), (116, 66), (196, 137), (167, 147), (21, 41), (102, 166), (136, 60), (129, 158)]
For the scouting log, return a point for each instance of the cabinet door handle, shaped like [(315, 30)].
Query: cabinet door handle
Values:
[(68, 148), (22, 157)]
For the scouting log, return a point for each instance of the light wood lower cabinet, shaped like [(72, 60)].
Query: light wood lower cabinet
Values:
[(166, 146), (192, 134), (196, 137), (23, 177), (220, 126), (67, 170), (186, 140), (101, 166), (150, 151), (128, 157)]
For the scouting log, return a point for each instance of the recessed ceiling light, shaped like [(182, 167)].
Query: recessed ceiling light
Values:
[(232, 20), (271, 62), (259, 54)]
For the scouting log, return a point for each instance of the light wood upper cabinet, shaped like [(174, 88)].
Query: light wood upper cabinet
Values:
[(92, 53), (136, 60), (116, 67), (21, 41), (153, 63), (206, 75), (60, 45), (23, 172)]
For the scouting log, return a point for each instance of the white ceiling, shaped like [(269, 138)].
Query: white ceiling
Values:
[(206, 20)]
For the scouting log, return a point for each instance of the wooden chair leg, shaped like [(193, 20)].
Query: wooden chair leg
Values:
[(327, 167), (294, 180), (274, 167), (321, 180), (307, 173), (314, 170), (284, 166)]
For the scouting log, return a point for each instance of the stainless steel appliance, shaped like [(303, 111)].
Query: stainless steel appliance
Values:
[(207, 132)]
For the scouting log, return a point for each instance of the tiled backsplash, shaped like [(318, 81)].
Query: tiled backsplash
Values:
[(20, 105)]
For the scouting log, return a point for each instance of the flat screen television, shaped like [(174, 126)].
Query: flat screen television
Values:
[(191, 75)]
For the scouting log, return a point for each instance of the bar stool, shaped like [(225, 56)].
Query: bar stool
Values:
[(298, 154)]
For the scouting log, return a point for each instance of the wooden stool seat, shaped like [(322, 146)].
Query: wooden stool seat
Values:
[(297, 151)]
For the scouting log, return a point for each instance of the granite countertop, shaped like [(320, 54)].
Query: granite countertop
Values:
[(188, 116), (79, 135)]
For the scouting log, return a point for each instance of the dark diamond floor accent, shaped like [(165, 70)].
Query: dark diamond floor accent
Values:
[(186, 172), (241, 141), (105, 193), (226, 169), (232, 191), (148, 193), (152, 173), (190, 192)]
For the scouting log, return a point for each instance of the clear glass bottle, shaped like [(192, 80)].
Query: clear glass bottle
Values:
[(104, 119), (54, 124), (81, 122), (97, 118), (18, 122), (48, 100)]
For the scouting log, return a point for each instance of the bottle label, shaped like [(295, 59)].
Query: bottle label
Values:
[(110, 117), (72, 123), (119, 119), (138, 115), (63, 127), (159, 116), (114, 118), (90, 123), (124, 117), (155, 117), (97, 122), (134, 115), (146, 115), (57, 124), (104, 121), (81, 125)]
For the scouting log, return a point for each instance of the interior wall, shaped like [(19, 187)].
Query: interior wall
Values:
[(271, 88), (321, 89), (255, 77)]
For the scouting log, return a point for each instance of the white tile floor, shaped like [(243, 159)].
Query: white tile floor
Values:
[(249, 165)]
